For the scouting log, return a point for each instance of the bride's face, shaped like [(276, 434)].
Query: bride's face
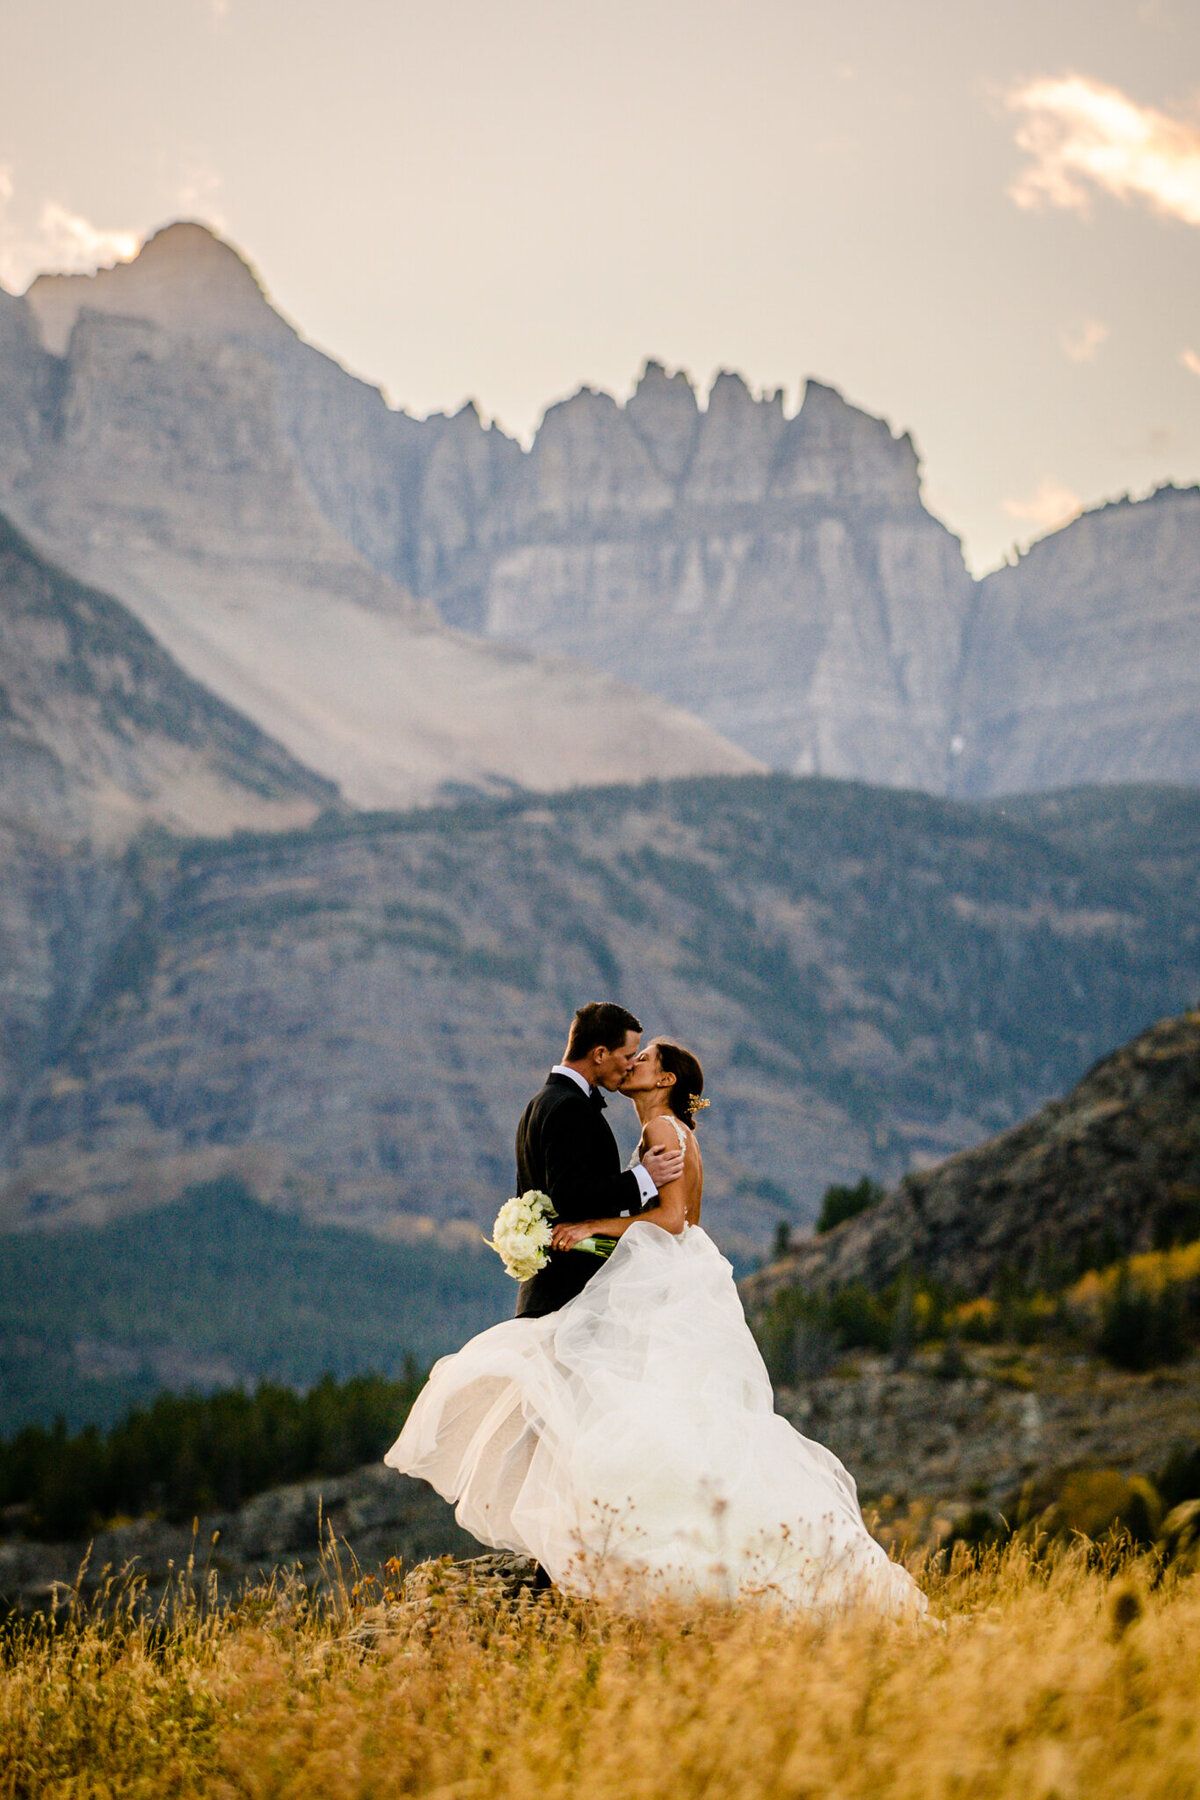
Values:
[(645, 1073)]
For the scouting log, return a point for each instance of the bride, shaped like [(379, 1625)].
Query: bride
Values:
[(628, 1441)]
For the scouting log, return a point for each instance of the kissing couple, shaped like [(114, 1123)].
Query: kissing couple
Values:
[(621, 1429)]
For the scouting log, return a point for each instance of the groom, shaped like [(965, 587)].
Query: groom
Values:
[(566, 1149)]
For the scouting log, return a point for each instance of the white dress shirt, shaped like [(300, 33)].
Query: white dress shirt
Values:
[(646, 1187)]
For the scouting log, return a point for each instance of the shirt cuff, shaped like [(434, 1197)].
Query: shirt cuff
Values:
[(646, 1187)]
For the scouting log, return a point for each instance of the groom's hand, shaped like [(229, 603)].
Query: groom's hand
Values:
[(663, 1164)]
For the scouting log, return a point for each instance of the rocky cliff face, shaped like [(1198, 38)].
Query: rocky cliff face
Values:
[(1111, 1169), (62, 910), (1083, 660), (27, 387), (351, 1018), (780, 577), (164, 473)]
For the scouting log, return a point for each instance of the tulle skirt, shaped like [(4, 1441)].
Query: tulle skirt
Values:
[(629, 1442)]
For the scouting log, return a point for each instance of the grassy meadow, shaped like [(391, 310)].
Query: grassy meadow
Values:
[(1049, 1678)]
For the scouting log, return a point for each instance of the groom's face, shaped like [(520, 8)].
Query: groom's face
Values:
[(612, 1066)]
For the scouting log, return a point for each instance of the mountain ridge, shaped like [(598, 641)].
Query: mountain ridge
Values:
[(348, 1018), (1107, 1170), (778, 577)]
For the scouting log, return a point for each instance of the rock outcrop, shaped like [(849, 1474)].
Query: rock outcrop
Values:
[(976, 1437), (1111, 1169)]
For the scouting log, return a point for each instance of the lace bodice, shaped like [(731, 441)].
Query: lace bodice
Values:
[(681, 1133)]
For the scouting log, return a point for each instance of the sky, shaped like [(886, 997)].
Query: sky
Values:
[(980, 221)]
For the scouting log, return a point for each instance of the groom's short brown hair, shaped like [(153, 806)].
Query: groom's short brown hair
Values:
[(600, 1024)]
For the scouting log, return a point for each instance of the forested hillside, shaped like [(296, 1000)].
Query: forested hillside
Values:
[(350, 1018), (216, 1291)]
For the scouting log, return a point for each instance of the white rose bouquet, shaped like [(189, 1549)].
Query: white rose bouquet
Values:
[(521, 1235)]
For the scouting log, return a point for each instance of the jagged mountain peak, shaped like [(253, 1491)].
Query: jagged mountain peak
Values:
[(836, 450), (588, 462), (822, 400), (730, 388), (655, 389), (585, 400), (654, 381), (183, 278), (665, 413)]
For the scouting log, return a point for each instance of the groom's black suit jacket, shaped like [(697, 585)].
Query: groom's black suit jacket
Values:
[(565, 1149)]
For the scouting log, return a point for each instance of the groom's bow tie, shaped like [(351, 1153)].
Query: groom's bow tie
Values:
[(597, 1099)]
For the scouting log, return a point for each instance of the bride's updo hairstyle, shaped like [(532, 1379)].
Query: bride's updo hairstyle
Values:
[(684, 1097)]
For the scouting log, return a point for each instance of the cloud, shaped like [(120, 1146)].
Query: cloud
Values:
[(61, 240), (1190, 360), (73, 243), (1080, 135), (1082, 341), (1053, 505)]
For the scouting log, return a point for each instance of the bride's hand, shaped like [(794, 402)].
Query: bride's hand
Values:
[(566, 1236)]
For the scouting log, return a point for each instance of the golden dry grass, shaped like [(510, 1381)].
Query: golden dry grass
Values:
[(1065, 1680)]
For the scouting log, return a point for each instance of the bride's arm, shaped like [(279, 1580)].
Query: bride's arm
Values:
[(669, 1211)]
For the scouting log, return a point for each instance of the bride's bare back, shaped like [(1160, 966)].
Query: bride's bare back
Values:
[(667, 1129)]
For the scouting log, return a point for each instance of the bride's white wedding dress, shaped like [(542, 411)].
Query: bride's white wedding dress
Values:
[(629, 1443)]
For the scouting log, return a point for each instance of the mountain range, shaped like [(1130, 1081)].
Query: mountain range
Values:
[(342, 754), (293, 541), (154, 466)]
